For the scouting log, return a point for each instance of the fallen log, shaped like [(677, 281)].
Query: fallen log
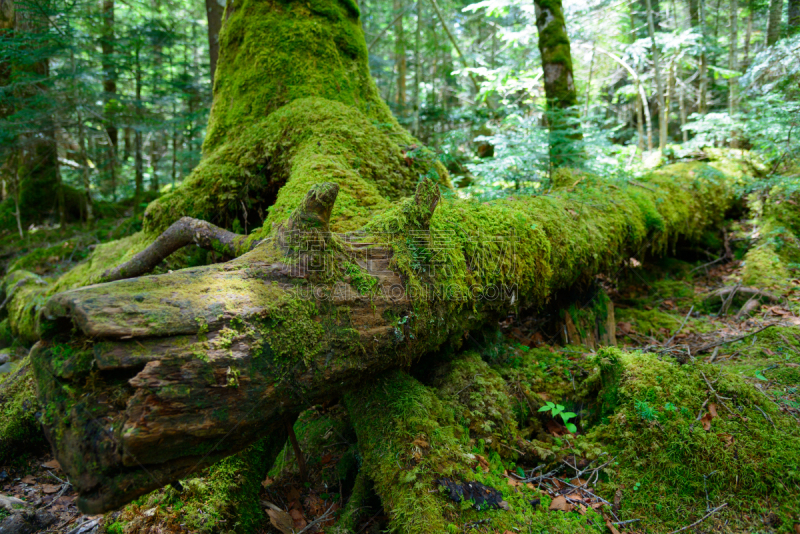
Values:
[(146, 380)]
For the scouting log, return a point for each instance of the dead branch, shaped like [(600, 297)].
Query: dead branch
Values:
[(709, 514), (186, 231)]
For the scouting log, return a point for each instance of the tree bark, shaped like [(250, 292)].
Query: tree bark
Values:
[(732, 65), (774, 21), (559, 84), (214, 11), (107, 44), (400, 55), (662, 108), (794, 17)]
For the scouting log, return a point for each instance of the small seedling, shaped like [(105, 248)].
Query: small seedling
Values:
[(557, 409)]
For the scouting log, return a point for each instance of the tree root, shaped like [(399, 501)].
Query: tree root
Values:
[(186, 231)]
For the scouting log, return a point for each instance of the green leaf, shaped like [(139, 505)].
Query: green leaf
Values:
[(544, 409), (572, 428), (760, 375), (566, 416)]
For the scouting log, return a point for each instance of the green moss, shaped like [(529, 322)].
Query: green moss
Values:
[(666, 460), (20, 432), (225, 498)]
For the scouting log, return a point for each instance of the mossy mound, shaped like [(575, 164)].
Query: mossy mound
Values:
[(224, 499), (670, 469)]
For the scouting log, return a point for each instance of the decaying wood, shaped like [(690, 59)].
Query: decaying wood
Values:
[(186, 231), (146, 380)]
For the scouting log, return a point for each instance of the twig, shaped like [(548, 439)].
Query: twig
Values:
[(709, 514), (320, 519), (739, 338), (626, 522), (669, 341), (767, 417)]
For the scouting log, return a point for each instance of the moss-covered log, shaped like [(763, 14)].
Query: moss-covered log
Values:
[(142, 377)]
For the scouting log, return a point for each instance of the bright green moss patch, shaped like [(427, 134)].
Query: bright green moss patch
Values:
[(223, 499), (20, 432), (666, 461)]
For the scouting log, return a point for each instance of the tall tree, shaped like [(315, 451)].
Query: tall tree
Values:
[(214, 11), (107, 43), (400, 54), (774, 22), (732, 66), (794, 17), (662, 107), (559, 83)]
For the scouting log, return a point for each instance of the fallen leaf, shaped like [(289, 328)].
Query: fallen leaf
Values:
[(579, 482), (556, 429), (610, 525), (575, 497), (545, 396), (50, 488), (28, 480), (421, 443), (326, 459), (625, 328), (597, 505), (52, 464), (706, 422), (298, 520), (293, 494), (530, 486), (560, 503), (514, 482), (712, 409), (267, 482), (483, 462), (581, 509), (727, 439), (281, 520)]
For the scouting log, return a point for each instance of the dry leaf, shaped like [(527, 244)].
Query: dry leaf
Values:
[(579, 482), (581, 509), (52, 464), (560, 503), (326, 459), (575, 497), (293, 494), (298, 520), (545, 396), (597, 505), (530, 486), (28, 480), (712, 409), (727, 439), (610, 525), (706, 422), (625, 328), (267, 482), (483, 462), (50, 488), (421, 443), (513, 482), (281, 520)]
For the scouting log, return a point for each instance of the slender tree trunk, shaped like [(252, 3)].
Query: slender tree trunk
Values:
[(640, 117), (107, 43), (662, 108), (794, 17), (400, 55), (559, 84), (747, 36), (774, 22), (589, 83), (417, 68), (214, 12), (138, 148), (732, 66), (87, 184), (682, 97)]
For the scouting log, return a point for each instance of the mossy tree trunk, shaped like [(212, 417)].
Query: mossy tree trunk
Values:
[(559, 83), (145, 380)]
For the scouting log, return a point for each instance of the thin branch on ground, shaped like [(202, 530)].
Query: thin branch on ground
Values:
[(709, 514)]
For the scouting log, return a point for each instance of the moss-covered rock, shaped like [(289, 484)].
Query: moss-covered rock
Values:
[(20, 431)]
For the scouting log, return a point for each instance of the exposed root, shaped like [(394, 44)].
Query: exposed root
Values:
[(186, 231)]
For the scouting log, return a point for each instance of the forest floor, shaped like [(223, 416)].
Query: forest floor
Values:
[(664, 308)]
